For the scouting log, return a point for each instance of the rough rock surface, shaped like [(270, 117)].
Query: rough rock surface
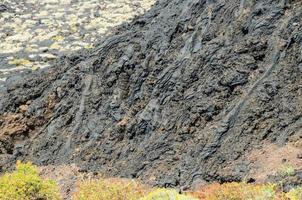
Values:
[(175, 97)]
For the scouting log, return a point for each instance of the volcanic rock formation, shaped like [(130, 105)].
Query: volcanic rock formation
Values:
[(180, 94)]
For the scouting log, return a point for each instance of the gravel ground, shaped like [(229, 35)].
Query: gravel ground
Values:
[(35, 32)]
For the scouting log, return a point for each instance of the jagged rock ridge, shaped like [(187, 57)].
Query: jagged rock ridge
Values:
[(180, 94)]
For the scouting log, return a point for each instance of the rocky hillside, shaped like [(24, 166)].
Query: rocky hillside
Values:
[(191, 91)]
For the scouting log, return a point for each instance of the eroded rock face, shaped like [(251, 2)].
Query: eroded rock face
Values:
[(177, 96)]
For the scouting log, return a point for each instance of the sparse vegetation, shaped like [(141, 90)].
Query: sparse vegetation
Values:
[(166, 194), (113, 189), (20, 62), (295, 194), (244, 191), (286, 170), (237, 191), (25, 184)]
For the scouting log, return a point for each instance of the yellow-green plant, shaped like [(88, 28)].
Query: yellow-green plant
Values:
[(25, 184), (20, 62), (286, 170), (110, 189), (166, 194), (295, 194)]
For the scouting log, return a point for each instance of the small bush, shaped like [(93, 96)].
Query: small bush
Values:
[(110, 189), (295, 194), (286, 170), (166, 194), (237, 191), (26, 184)]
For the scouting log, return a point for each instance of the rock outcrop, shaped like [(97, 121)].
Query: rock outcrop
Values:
[(179, 95)]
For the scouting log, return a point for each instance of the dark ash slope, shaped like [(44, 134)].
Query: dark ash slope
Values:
[(177, 95)]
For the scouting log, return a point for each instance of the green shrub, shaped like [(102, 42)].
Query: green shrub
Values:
[(166, 194), (286, 170), (26, 184), (110, 189)]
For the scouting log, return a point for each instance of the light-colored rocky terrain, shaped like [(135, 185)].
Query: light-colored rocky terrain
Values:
[(34, 32)]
